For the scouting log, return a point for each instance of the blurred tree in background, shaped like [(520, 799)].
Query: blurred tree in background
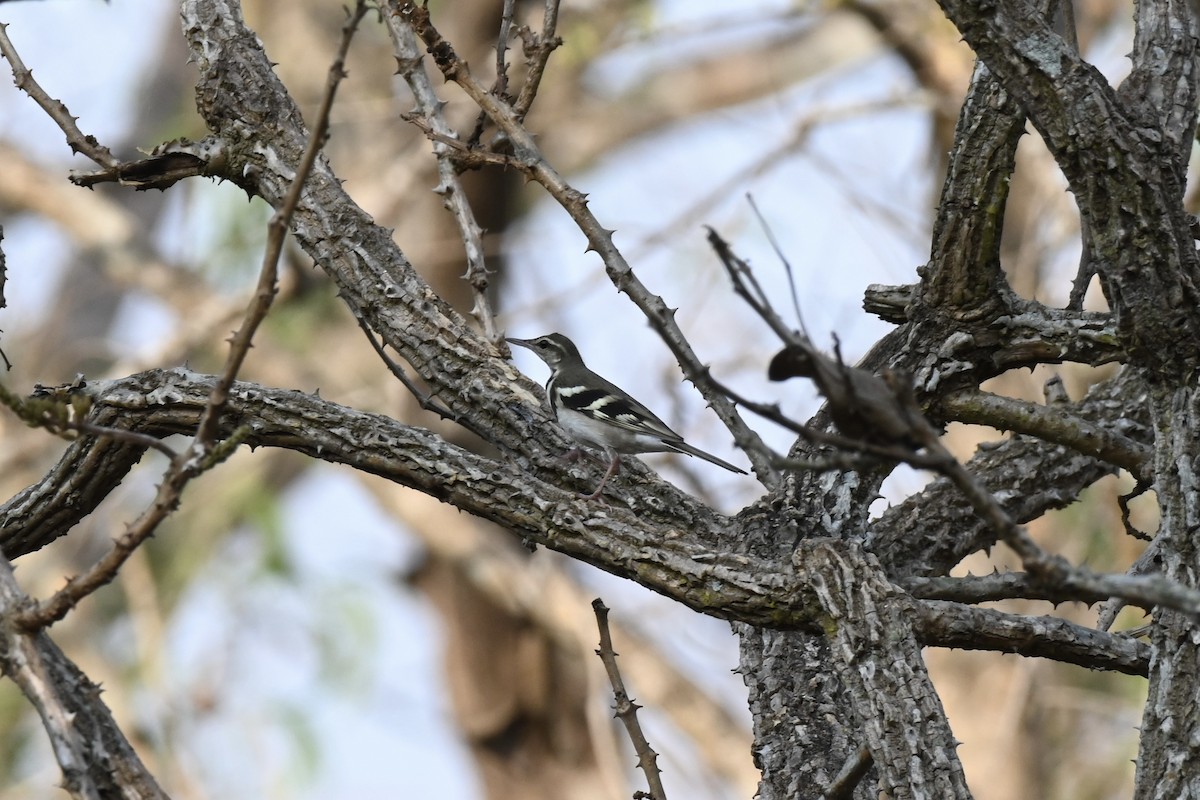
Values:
[(319, 618)]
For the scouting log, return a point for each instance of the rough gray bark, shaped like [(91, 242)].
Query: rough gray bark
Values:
[(1168, 762), (96, 759), (868, 623)]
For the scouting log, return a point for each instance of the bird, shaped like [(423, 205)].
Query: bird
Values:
[(598, 414)]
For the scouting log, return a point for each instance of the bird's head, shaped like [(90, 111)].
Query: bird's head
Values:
[(553, 348)]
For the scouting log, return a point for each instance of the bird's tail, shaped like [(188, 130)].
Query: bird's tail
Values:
[(684, 447)]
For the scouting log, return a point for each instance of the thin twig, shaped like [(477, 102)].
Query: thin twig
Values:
[(424, 399), (817, 436), (78, 141), (58, 415), (454, 198), (538, 48), (1149, 562), (122, 435), (746, 286), (787, 265), (465, 155), (626, 709), (1123, 500), (166, 500), (500, 88)]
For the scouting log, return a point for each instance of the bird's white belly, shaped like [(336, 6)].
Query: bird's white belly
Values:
[(602, 435)]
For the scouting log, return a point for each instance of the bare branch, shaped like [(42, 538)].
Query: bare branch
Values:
[(131, 437), (626, 709), (411, 68), (77, 140), (989, 588), (642, 542), (872, 408), (1146, 591), (203, 455), (783, 259), (1052, 425), (851, 774), (97, 761), (944, 624), (746, 286), (424, 399), (506, 19), (1028, 476), (23, 664), (538, 48)]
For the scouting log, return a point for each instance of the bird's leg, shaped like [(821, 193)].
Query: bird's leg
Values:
[(614, 467), (576, 454)]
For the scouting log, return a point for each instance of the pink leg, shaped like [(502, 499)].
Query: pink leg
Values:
[(575, 454), (614, 467)]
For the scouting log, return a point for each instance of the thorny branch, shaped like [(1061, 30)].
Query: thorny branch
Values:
[(46, 612), (157, 171), (1051, 425), (96, 759), (78, 141), (424, 399), (61, 417), (626, 709), (538, 48), (454, 198), (902, 440), (23, 664)]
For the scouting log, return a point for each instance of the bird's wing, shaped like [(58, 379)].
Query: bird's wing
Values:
[(614, 406)]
